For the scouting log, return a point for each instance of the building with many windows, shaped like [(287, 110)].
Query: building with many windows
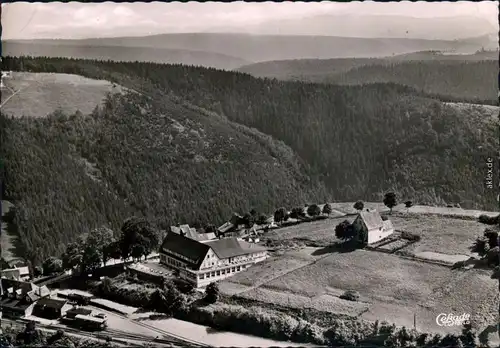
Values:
[(204, 262)]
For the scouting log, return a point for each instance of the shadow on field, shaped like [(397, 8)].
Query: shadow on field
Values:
[(345, 247)]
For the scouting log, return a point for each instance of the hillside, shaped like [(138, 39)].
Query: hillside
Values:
[(229, 51), (69, 173), (75, 49), (469, 77), (343, 143)]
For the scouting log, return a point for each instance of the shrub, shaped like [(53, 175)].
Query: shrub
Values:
[(350, 295), (488, 220), (212, 293), (410, 236)]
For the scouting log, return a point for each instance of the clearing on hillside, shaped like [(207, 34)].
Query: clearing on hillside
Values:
[(39, 94), (347, 207), (439, 234), (315, 233), (444, 235)]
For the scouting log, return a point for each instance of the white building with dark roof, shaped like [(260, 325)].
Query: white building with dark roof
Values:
[(370, 227), (204, 262)]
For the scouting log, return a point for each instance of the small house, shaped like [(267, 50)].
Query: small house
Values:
[(50, 308), (370, 228)]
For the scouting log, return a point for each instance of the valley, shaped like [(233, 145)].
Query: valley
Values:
[(182, 133)]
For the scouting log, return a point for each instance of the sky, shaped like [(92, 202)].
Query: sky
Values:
[(84, 20)]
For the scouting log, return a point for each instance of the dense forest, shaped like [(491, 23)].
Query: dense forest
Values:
[(192, 145), (473, 78), (146, 156)]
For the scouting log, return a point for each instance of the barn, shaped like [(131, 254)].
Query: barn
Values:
[(370, 228)]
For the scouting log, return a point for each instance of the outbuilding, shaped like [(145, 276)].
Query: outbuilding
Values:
[(50, 308)]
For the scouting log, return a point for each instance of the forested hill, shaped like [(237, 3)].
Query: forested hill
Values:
[(157, 158), (355, 142), (472, 77)]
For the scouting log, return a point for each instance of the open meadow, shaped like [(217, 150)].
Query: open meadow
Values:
[(39, 94), (391, 288), (439, 234), (347, 208), (446, 235), (316, 233)]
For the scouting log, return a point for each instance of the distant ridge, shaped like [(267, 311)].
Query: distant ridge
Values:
[(72, 49), (230, 51)]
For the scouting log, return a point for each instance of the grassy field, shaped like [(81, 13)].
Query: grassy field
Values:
[(320, 232), (347, 207), (391, 288), (39, 94), (324, 303), (268, 270), (439, 234)]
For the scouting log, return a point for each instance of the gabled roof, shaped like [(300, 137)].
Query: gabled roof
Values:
[(189, 232), (24, 270), (39, 292), (189, 248), (175, 229), (372, 220), (228, 226), (50, 303), (231, 247), (206, 236), (185, 230), (33, 296)]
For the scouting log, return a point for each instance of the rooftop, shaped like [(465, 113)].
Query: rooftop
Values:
[(232, 247), (50, 303), (186, 247), (90, 318), (372, 220), (79, 310)]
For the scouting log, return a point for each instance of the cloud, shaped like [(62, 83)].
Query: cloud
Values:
[(76, 20), (122, 11)]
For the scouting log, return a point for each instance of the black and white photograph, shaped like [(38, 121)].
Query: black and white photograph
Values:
[(250, 174)]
